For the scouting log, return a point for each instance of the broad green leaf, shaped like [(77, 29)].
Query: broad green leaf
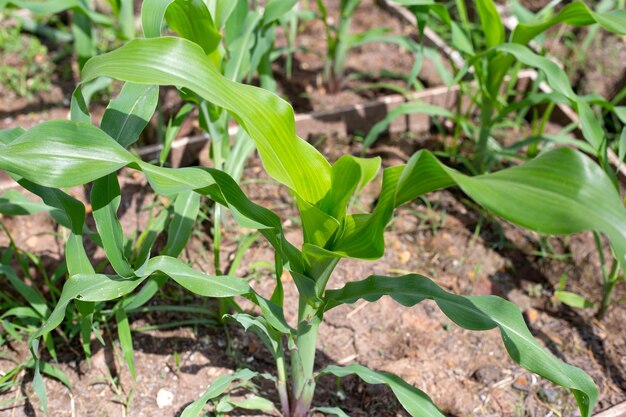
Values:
[(108, 154), (100, 287), (412, 399), (477, 313), (9, 135), (127, 115), (275, 9), (63, 164), (69, 211), (254, 403), (152, 16), (186, 207), (191, 20), (267, 118), (556, 193)]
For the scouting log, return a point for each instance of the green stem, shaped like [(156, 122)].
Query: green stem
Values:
[(608, 287), (303, 357), (281, 384), (482, 156)]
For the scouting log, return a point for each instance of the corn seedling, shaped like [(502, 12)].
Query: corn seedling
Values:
[(555, 193), (491, 58)]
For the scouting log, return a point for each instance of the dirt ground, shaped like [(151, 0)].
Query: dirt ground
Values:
[(463, 249)]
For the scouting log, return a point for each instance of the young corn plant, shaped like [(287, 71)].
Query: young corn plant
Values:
[(240, 42), (490, 66), (555, 193), (491, 58)]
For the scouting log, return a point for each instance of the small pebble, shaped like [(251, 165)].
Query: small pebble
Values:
[(549, 395), (164, 398)]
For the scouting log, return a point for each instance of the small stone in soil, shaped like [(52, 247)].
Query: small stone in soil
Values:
[(487, 374), (549, 395), (164, 398)]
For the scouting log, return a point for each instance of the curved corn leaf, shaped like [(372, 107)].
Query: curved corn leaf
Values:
[(64, 154), (191, 20), (412, 399), (268, 119), (14, 203), (217, 388), (100, 287), (77, 153), (556, 193), (152, 16), (476, 313)]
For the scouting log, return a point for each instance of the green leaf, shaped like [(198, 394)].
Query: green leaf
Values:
[(191, 20), (477, 313), (127, 115), (275, 9), (30, 294), (254, 403), (217, 388), (556, 193), (186, 208), (9, 135), (14, 203), (80, 159), (126, 341), (58, 153), (270, 337), (152, 15), (333, 411), (575, 14), (105, 200), (268, 119), (573, 300), (490, 21), (412, 399)]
